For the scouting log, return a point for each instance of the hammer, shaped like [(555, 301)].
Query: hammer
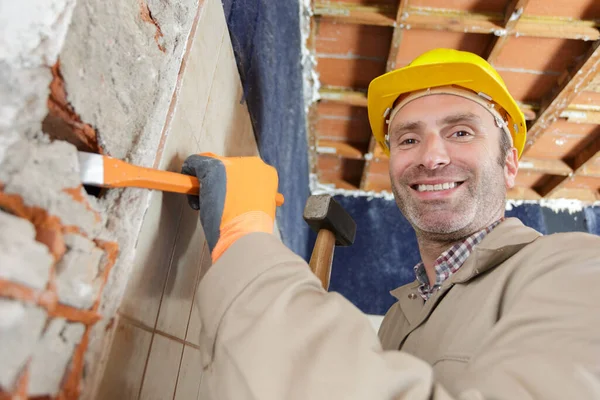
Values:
[(334, 226)]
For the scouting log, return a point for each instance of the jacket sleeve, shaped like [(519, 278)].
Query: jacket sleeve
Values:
[(270, 332), (546, 345)]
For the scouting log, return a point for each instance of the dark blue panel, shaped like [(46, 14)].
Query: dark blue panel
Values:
[(381, 259), (592, 218), (531, 215), (266, 42)]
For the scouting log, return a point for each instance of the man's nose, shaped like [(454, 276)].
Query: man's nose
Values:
[(434, 153)]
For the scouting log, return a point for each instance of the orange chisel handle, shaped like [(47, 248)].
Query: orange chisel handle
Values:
[(118, 173)]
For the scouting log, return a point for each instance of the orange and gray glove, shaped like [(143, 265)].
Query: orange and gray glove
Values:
[(238, 196)]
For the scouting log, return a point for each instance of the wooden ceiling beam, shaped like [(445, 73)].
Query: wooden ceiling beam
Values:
[(401, 16), (585, 163), (356, 14), (581, 116), (512, 14), (522, 193), (344, 96), (574, 81), (550, 167), (584, 195), (340, 149), (456, 21)]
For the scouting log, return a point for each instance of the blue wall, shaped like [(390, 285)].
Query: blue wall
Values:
[(266, 41)]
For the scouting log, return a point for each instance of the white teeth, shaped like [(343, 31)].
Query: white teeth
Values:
[(439, 186)]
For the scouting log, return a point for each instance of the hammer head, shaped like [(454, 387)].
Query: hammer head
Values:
[(323, 212)]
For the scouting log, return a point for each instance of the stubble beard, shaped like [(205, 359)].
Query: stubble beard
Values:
[(481, 203)]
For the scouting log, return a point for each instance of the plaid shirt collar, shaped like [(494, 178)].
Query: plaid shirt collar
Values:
[(449, 262)]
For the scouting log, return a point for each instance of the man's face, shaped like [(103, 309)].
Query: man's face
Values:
[(444, 166)]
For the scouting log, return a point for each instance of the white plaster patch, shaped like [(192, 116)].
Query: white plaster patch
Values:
[(52, 354), (22, 258), (20, 329)]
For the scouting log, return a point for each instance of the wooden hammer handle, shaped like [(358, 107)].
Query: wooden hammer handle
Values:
[(322, 256)]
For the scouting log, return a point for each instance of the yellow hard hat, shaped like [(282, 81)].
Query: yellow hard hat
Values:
[(443, 67)]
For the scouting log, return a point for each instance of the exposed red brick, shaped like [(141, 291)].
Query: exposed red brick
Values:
[(63, 122), (72, 382), (147, 17)]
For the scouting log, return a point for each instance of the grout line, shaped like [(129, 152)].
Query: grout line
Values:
[(196, 282), (135, 323), (176, 339)]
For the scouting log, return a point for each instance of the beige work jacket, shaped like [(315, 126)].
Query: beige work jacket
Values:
[(519, 320)]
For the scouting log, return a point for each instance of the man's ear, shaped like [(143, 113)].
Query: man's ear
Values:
[(511, 167)]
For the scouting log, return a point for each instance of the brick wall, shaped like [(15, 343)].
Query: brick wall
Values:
[(100, 76)]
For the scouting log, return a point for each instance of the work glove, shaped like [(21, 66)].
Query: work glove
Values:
[(237, 197)]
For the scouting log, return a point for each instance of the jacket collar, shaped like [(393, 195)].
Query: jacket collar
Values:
[(505, 240)]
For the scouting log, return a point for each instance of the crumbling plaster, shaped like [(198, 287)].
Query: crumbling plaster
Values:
[(120, 61)]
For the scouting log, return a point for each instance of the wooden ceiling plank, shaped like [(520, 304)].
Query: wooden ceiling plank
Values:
[(457, 21), (522, 193), (584, 195), (584, 164), (552, 107), (581, 116), (512, 14), (557, 28), (591, 167), (356, 14), (401, 15), (340, 149), (550, 167), (343, 95)]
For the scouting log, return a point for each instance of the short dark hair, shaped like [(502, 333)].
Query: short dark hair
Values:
[(505, 147)]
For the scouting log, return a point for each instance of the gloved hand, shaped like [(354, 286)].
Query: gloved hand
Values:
[(237, 197)]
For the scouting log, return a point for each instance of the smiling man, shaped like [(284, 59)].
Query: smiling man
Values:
[(497, 311)]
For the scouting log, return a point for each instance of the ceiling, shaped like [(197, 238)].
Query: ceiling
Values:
[(547, 51)]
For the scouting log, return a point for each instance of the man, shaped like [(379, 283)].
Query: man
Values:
[(498, 311)]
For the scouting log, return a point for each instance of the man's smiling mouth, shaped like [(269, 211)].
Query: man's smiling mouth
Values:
[(435, 187)]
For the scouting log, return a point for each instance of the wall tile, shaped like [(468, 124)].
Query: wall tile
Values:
[(227, 129), (126, 362), (190, 374), (193, 332), (153, 253), (161, 372), (199, 72), (179, 291)]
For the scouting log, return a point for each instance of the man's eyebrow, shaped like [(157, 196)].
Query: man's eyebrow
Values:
[(407, 126), (456, 118)]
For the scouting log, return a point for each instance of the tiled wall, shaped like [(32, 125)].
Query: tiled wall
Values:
[(154, 353)]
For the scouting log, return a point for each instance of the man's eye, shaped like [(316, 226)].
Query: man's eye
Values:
[(462, 133), (407, 142)]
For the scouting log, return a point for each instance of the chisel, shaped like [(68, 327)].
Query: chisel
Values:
[(109, 172)]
